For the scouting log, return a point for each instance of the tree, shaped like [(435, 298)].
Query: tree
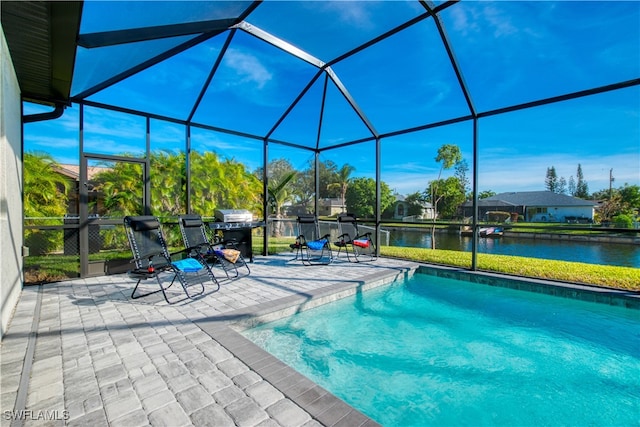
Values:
[(582, 189), (448, 156), (486, 194), (327, 172), (462, 169), (611, 207), (120, 189), (278, 195), (168, 182), (450, 196), (45, 189), (630, 195), (551, 181), (571, 188), (45, 196), (562, 186), (342, 182), (361, 197), (416, 202)]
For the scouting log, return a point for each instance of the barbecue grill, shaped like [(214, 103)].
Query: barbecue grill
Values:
[(233, 215), (236, 225)]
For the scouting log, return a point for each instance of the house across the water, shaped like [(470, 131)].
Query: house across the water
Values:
[(536, 206)]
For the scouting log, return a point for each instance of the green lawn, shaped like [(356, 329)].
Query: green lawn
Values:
[(626, 278), (51, 268)]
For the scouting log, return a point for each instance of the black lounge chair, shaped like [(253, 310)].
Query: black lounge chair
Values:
[(310, 247), (358, 246), (153, 260), (221, 253)]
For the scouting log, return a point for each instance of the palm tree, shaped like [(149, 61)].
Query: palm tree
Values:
[(168, 180), (45, 189), (342, 182), (45, 196), (278, 196), (121, 188)]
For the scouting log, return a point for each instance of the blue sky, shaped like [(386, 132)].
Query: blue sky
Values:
[(508, 53)]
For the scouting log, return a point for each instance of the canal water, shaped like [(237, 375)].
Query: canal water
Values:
[(589, 252)]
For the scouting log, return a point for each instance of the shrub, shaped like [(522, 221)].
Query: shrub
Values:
[(623, 221)]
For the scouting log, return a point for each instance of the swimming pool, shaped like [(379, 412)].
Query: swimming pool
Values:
[(438, 351)]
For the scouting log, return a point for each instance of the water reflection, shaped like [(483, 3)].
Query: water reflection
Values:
[(589, 252)]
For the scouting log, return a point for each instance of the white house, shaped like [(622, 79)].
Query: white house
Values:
[(401, 209)]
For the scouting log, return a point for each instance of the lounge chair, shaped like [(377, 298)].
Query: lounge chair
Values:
[(221, 253), (152, 259), (358, 246), (310, 247)]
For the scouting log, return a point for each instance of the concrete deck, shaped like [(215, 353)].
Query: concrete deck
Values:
[(82, 352)]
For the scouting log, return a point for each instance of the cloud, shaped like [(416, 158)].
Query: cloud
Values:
[(247, 68), (354, 13)]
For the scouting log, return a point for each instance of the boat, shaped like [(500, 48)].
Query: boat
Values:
[(487, 232), (491, 232)]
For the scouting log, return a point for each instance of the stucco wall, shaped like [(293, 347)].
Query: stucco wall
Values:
[(558, 214), (11, 278)]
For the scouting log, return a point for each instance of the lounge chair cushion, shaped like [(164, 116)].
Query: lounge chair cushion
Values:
[(188, 265), (363, 243), (230, 255), (317, 245)]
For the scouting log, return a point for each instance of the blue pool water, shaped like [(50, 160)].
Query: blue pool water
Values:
[(442, 352)]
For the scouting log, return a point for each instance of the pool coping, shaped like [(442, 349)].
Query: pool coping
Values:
[(589, 293), (321, 404)]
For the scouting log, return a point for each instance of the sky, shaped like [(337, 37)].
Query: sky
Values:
[(508, 53)]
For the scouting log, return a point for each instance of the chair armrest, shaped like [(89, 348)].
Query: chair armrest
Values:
[(148, 257), (189, 249)]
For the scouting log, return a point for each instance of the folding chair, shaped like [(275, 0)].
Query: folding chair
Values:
[(222, 253), (152, 259), (360, 245), (310, 247)]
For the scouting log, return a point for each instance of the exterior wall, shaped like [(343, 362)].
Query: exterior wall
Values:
[(558, 214), (11, 277), (330, 207), (400, 210)]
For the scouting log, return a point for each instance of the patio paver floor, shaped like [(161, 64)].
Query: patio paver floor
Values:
[(98, 357)]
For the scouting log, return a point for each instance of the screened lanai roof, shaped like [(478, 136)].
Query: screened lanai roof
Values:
[(320, 74)]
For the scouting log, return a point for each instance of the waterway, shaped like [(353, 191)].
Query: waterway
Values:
[(626, 255)]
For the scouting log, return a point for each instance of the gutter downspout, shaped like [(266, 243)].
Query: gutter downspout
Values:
[(56, 113)]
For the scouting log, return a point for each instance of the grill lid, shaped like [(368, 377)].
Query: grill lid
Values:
[(233, 215)]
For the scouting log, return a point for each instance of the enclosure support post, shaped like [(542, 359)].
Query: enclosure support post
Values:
[(474, 242)]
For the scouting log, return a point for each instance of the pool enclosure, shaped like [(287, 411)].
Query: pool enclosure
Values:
[(398, 111)]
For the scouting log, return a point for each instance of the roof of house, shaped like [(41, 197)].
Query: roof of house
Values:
[(535, 198), (73, 171)]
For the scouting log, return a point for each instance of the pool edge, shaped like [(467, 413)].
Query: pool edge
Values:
[(321, 404), (587, 293)]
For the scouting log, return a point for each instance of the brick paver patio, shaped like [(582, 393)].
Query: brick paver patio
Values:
[(82, 352)]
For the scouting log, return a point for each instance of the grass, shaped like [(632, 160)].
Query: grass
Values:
[(51, 268), (625, 278)]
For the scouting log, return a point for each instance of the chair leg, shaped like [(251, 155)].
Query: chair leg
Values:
[(323, 258), (162, 289)]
